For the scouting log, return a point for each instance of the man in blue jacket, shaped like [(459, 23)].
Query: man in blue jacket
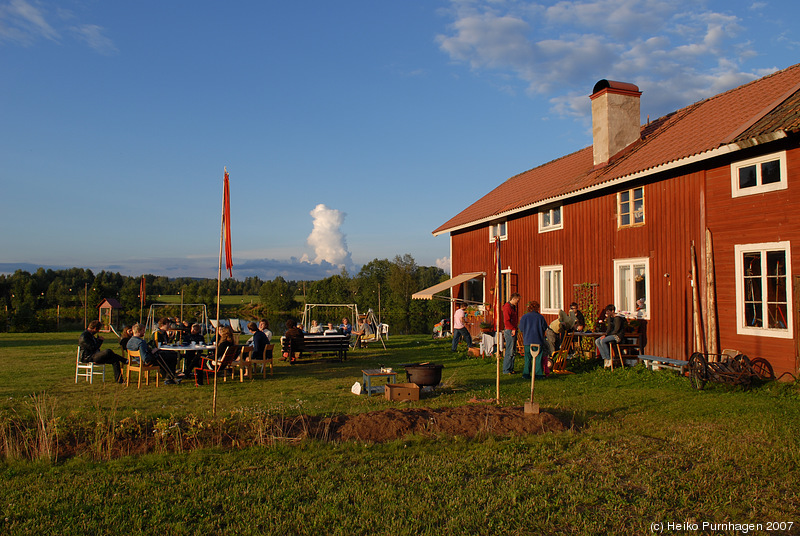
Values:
[(533, 327), (166, 362)]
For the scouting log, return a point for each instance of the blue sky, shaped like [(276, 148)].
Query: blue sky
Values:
[(350, 129)]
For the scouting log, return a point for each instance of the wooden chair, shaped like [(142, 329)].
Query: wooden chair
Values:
[(262, 360), (135, 364), (88, 370), (243, 363), (221, 366)]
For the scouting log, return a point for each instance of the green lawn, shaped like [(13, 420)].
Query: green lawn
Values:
[(641, 448), (224, 299)]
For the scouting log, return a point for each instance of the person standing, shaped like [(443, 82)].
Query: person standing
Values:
[(533, 327), (510, 327), (90, 342), (459, 327)]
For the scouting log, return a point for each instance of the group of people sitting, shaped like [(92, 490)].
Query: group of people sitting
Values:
[(295, 333), (541, 340), (151, 352)]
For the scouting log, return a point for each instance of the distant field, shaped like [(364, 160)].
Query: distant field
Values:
[(224, 300)]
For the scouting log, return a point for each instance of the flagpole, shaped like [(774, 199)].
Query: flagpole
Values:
[(497, 310), (141, 297), (219, 286)]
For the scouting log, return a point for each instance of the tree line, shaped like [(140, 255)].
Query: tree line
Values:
[(50, 300)]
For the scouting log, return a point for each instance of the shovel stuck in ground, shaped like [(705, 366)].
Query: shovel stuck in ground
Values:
[(532, 407)]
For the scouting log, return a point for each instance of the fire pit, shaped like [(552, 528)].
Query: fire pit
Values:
[(424, 374)]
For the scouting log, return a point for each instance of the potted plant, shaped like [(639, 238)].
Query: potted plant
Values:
[(487, 327)]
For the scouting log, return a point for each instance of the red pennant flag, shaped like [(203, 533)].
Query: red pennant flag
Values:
[(226, 219)]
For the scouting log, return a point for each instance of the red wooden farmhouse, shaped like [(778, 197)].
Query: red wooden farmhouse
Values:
[(621, 217)]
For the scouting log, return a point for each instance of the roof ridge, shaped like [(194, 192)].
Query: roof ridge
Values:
[(674, 139)]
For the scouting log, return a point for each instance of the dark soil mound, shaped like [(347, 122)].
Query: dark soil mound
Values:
[(465, 421)]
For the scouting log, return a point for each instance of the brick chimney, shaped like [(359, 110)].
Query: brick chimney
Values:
[(615, 118)]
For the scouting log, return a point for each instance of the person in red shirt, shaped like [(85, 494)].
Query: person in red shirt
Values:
[(510, 327)]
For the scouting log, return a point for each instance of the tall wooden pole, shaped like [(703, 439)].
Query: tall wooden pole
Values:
[(711, 296), (85, 303), (497, 312), (699, 339), (219, 286)]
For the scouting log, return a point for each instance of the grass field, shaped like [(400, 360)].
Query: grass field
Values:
[(224, 299), (641, 448)]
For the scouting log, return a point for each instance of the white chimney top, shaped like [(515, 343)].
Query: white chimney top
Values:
[(615, 118)]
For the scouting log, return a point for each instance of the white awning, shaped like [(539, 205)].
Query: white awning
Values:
[(428, 293)]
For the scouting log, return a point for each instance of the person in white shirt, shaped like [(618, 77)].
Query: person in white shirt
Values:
[(263, 326)]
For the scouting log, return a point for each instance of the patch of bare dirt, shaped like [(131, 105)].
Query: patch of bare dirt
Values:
[(465, 421)]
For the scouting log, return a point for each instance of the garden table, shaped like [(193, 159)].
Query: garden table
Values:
[(183, 348), (369, 374)]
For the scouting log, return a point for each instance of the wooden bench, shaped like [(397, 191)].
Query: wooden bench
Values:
[(655, 363), (323, 344)]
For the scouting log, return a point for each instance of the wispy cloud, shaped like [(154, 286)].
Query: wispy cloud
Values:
[(24, 23), (92, 35), (677, 52)]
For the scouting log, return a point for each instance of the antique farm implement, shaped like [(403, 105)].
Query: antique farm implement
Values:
[(730, 369)]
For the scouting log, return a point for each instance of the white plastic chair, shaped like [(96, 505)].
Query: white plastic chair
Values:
[(88, 370), (384, 331)]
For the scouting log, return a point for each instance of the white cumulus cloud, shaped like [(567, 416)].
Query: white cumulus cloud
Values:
[(327, 239)]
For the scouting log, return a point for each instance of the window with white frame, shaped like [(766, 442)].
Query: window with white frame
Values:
[(499, 229), (758, 175), (472, 291), (630, 207), (763, 289), (551, 288), (632, 286), (551, 219)]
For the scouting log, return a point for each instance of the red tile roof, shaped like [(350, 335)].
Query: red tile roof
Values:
[(755, 109)]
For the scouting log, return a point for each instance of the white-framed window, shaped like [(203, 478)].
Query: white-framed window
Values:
[(630, 207), (763, 289), (498, 229), (758, 175), (551, 288), (632, 286), (551, 219)]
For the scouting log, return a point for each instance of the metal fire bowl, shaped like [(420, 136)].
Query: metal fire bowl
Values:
[(427, 374)]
